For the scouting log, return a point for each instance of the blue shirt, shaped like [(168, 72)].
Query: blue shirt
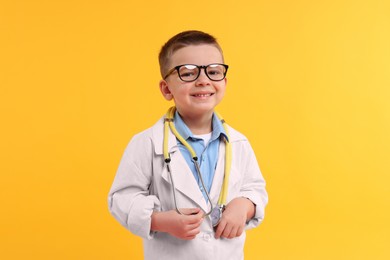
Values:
[(207, 154)]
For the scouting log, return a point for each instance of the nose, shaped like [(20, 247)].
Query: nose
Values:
[(202, 80)]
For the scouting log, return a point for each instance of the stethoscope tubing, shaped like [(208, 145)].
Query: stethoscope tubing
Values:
[(168, 124)]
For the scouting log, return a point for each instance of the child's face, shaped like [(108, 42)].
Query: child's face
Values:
[(199, 97)]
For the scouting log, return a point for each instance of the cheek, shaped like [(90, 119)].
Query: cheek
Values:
[(180, 96), (221, 88), (181, 93)]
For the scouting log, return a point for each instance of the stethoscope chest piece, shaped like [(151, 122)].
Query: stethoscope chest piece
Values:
[(216, 215)]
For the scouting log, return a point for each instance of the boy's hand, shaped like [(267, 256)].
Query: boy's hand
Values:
[(181, 226), (233, 220)]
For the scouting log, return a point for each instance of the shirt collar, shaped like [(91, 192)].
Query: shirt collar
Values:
[(186, 133)]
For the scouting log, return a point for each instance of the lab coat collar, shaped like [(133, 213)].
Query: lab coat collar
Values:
[(158, 136)]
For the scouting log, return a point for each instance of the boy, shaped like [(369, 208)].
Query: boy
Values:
[(186, 166)]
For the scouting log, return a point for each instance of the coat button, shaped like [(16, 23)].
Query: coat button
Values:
[(206, 237)]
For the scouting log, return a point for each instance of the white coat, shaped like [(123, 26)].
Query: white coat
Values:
[(142, 185)]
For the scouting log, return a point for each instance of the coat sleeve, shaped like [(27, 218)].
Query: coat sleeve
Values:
[(129, 200), (253, 185)]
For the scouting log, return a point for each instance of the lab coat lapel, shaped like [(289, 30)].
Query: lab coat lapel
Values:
[(183, 178)]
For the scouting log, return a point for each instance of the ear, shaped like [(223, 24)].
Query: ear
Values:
[(165, 90)]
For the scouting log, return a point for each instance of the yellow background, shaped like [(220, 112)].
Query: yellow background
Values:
[(308, 84)]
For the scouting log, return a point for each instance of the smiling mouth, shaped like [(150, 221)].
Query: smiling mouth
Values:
[(203, 95)]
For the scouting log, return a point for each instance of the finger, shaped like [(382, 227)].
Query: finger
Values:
[(197, 218), (240, 230), (194, 225), (226, 231), (200, 213), (220, 228), (189, 237), (190, 211), (233, 232), (193, 232)]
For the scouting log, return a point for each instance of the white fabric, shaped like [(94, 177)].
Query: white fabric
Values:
[(142, 186), (206, 138)]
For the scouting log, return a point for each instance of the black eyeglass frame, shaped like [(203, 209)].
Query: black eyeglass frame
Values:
[(200, 67)]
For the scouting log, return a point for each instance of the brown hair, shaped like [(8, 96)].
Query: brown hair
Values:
[(181, 40)]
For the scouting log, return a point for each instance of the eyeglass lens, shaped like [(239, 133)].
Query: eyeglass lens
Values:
[(191, 72)]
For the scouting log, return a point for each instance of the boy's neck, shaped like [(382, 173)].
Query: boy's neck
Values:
[(199, 125)]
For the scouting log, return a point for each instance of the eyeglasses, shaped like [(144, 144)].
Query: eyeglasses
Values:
[(190, 72)]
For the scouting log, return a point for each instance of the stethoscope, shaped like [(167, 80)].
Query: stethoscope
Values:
[(215, 212)]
